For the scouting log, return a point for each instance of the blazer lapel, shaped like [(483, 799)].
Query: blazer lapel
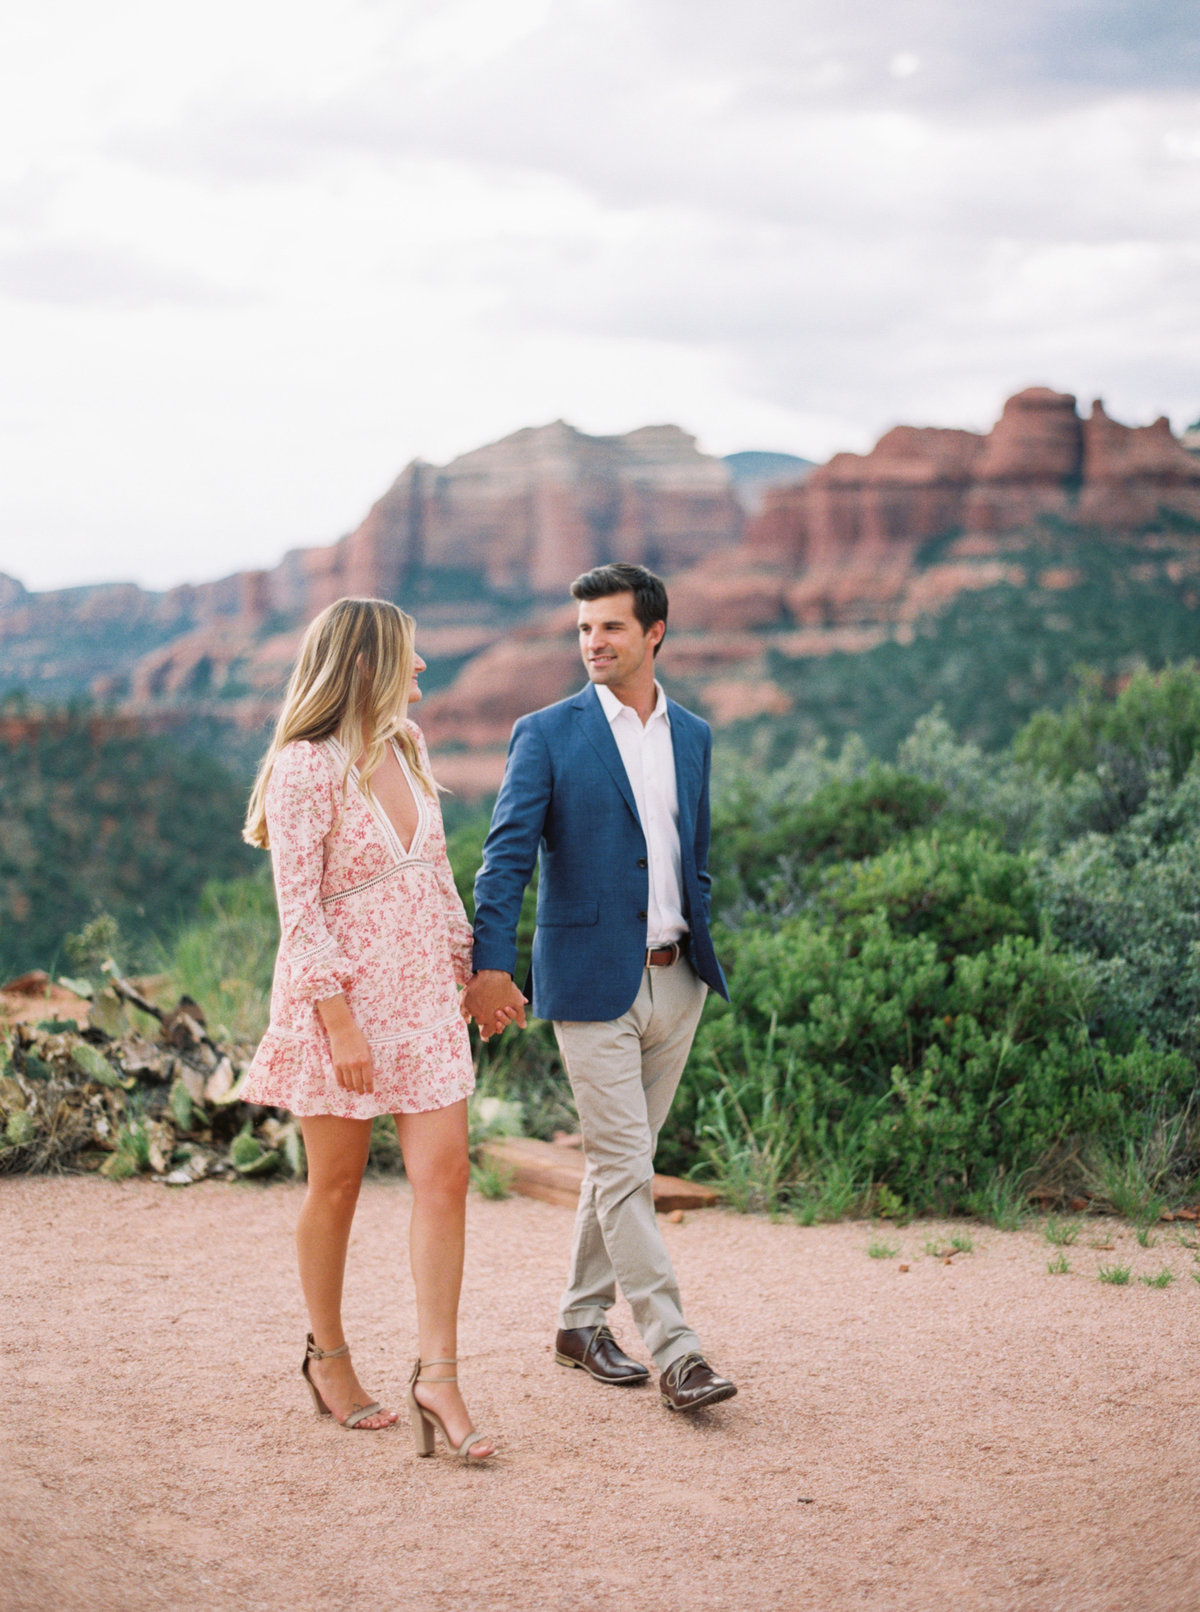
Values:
[(599, 735)]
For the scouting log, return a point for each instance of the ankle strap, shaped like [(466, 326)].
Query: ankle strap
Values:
[(422, 1365), (313, 1353)]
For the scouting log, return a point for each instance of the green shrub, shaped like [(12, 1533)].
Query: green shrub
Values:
[(763, 846), (964, 891), (224, 955), (1154, 722), (865, 1046), (1130, 900)]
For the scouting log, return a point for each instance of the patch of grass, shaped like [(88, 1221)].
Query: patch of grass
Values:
[(1144, 1237), (1129, 1180), (1164, 1278), (934, 1248), (1058, 1266), (828, 1193), (131, 1154), (890, 1206), (879, 1250), (1002, 1202), (491, 1180), (1115, 1275), (962, 1243), (1062, 1233)]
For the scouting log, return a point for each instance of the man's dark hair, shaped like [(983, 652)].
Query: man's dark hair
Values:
[(649, 592)]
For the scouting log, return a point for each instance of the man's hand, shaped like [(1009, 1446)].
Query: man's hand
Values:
[(492, 999)]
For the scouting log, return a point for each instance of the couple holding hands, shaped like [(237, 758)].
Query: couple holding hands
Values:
[(607, 794)]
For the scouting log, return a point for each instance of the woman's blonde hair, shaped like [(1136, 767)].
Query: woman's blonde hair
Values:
[(351, 683)]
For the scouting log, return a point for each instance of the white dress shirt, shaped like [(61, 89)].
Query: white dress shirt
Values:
[(650, 767)]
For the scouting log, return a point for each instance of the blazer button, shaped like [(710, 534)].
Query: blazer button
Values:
[(642, 863), (642, 917)]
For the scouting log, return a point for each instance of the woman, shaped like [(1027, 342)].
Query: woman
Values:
[(364, 1007)]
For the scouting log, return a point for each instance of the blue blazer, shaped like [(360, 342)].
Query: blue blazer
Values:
[(566, 803)]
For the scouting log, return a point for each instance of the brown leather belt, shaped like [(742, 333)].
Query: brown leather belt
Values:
[(664, 956)]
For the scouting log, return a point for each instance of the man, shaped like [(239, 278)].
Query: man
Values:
[(608, 792)]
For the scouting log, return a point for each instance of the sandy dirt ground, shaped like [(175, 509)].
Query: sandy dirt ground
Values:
[(977, 1435)]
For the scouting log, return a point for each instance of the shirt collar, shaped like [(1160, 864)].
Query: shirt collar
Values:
[(613, 708)]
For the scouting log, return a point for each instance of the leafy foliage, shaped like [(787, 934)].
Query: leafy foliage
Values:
[(95, 820)]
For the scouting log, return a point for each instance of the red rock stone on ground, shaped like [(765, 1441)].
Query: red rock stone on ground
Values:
[(35, 996)]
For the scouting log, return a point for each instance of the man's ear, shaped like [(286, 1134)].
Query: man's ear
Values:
[(656, 632)]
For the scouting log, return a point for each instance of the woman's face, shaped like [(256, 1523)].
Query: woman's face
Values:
[(414, 693)]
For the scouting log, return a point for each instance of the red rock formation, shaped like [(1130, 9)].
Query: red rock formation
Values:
[(849, 533), (1132, 474), (533, 511), (828, 565), (1031, 463)]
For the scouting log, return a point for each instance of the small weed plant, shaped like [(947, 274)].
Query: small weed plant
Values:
[(1115, 1275), (1062, 1233), (1059, 1265), (491, 1180)]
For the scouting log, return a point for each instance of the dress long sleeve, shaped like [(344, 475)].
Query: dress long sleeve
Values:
[(301, 809)]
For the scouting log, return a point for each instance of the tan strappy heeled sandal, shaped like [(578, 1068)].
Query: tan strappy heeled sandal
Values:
[(356, 1417), (425, 1420)]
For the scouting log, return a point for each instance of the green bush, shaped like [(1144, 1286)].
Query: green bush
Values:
[(873, 1057), (964, 891), (764, 847), (1154, 722), (1130, 900), (224, 956)]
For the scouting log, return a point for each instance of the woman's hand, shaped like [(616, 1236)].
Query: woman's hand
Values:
[(348, 1047)]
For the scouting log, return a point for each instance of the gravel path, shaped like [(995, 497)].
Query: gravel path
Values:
[(978, 1435)]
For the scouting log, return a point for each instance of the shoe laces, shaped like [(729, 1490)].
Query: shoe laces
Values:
[(678, 1369)]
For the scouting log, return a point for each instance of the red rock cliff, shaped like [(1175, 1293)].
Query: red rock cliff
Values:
[(1039, 459)]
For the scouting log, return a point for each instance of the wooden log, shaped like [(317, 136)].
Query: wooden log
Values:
[(553, 1174)]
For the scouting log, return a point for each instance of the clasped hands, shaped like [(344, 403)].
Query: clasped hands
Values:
[(493, 1000)]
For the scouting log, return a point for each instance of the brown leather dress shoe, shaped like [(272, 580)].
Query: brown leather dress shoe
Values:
[(596, 1351), (690, 1382)]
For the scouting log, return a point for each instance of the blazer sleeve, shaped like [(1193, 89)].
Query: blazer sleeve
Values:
[(511, 848), (301, 810), (458, 925)]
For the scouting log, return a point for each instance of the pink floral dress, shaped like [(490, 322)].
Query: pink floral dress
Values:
[(360, 914)]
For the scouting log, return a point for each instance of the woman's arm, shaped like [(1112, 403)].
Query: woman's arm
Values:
[(301, 810)]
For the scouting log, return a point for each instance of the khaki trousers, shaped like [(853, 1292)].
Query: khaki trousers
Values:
[(624, 1073)]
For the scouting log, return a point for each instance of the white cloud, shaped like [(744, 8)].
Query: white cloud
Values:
[(254, 257)]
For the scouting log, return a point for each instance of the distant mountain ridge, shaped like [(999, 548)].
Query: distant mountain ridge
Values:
[(830, 559)]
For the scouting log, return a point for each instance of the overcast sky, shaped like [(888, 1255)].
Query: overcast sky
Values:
[(255, 255)]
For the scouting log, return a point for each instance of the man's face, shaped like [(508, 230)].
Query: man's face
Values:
[(615, 649)]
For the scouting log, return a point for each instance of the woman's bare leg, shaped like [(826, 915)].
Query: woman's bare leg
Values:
[(337, 1155), (438, 1169)]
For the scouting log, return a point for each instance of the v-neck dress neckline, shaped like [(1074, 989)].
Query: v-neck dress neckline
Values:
[(375, 807)]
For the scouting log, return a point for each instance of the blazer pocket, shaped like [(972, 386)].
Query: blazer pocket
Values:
[(563, 914)]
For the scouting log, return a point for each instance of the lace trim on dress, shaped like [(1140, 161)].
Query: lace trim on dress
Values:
[(306, 1036), (388, 873)]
